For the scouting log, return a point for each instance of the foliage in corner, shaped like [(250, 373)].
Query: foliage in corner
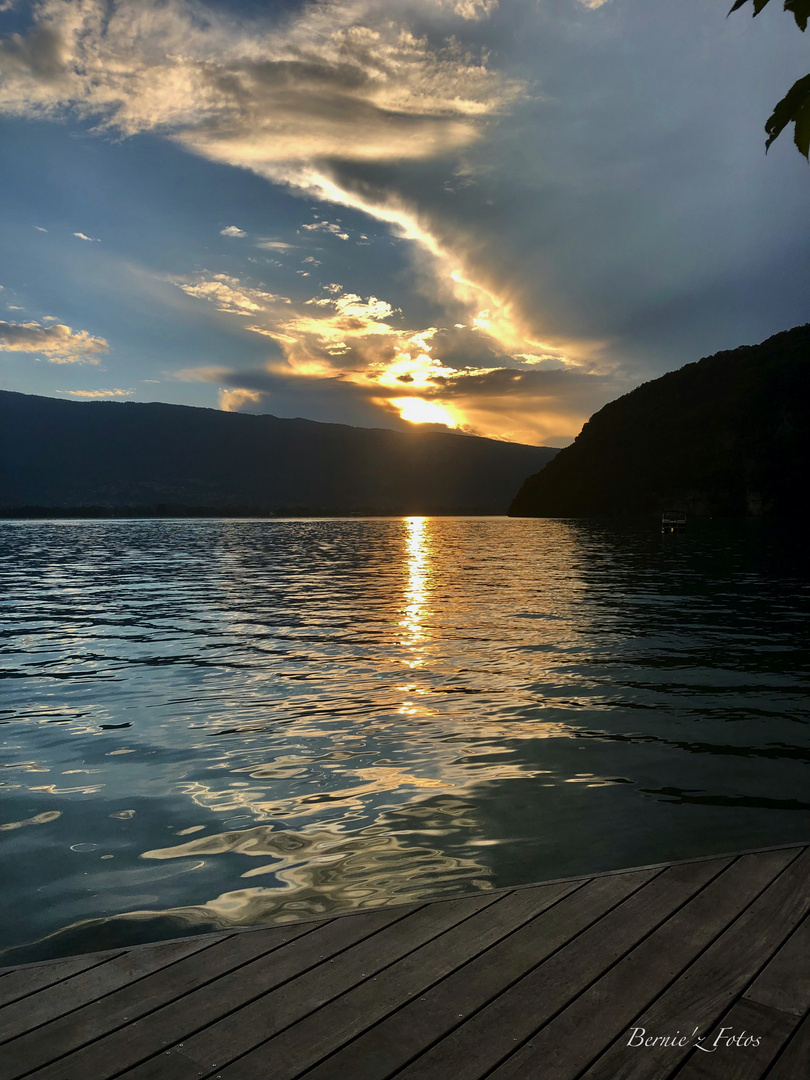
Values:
[(794, 108)]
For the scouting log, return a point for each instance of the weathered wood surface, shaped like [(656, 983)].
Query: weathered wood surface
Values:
[(546, 982)]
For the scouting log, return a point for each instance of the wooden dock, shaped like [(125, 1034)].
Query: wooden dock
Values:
[(555, 981)]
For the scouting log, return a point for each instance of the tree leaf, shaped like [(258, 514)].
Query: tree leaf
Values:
[(758, 5), (793, 108), (801, 134), (800, 10), (795, 105)]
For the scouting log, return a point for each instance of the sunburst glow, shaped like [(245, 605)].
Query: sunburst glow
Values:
[(417, 411)]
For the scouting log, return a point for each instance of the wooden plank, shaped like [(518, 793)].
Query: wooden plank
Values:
[(272, 1010), (101, 979), (707, 988), (46, 1044), (316, 1036), (784, 983), (485, 976), (480, 1043), (20, 982), (773, 1029), (239, 1032), (398, 1040), (794, 1061), (205, 1001), (770, 1011), (570, 1042)]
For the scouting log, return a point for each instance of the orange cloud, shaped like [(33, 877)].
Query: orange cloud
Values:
[(359, 342)]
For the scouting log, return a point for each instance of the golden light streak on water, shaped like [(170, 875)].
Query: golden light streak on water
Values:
[(418, 571)]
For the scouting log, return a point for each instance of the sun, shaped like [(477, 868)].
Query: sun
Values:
[(417, 411)]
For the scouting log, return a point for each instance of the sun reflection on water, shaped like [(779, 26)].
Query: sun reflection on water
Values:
[(418, 569)]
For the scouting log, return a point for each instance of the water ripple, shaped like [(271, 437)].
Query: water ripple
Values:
[(251, 721)]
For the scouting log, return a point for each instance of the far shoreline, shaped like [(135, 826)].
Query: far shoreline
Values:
[(38, 513)]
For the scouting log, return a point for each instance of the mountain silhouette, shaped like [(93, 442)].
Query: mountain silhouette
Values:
[(728, 435), (176, 458)]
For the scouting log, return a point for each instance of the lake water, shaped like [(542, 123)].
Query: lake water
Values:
[(212, 723)]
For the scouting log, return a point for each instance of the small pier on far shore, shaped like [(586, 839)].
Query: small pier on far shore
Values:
[(698, 970), (673, 521)]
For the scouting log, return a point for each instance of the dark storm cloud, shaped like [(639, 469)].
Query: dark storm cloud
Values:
[(500, 382), (324, 399)]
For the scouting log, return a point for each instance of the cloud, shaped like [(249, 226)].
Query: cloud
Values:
[(274, 245), (92, 239), (553, 211), (229, 294), (326, 226), (327, 398), (338, 82), (58, 342), (341, 80), (539, 415), (204, 373), (376, 369), (232, 230), (96, 393), (236, 399), (336, 85), (504, 382), (39, 228), (473, 9)]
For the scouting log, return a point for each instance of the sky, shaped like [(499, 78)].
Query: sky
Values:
[(494, 216)]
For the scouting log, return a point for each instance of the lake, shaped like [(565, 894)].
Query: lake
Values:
[(209, 723)]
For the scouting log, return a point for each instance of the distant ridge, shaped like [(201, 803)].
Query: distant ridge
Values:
[(129, 458), (728, 435)]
